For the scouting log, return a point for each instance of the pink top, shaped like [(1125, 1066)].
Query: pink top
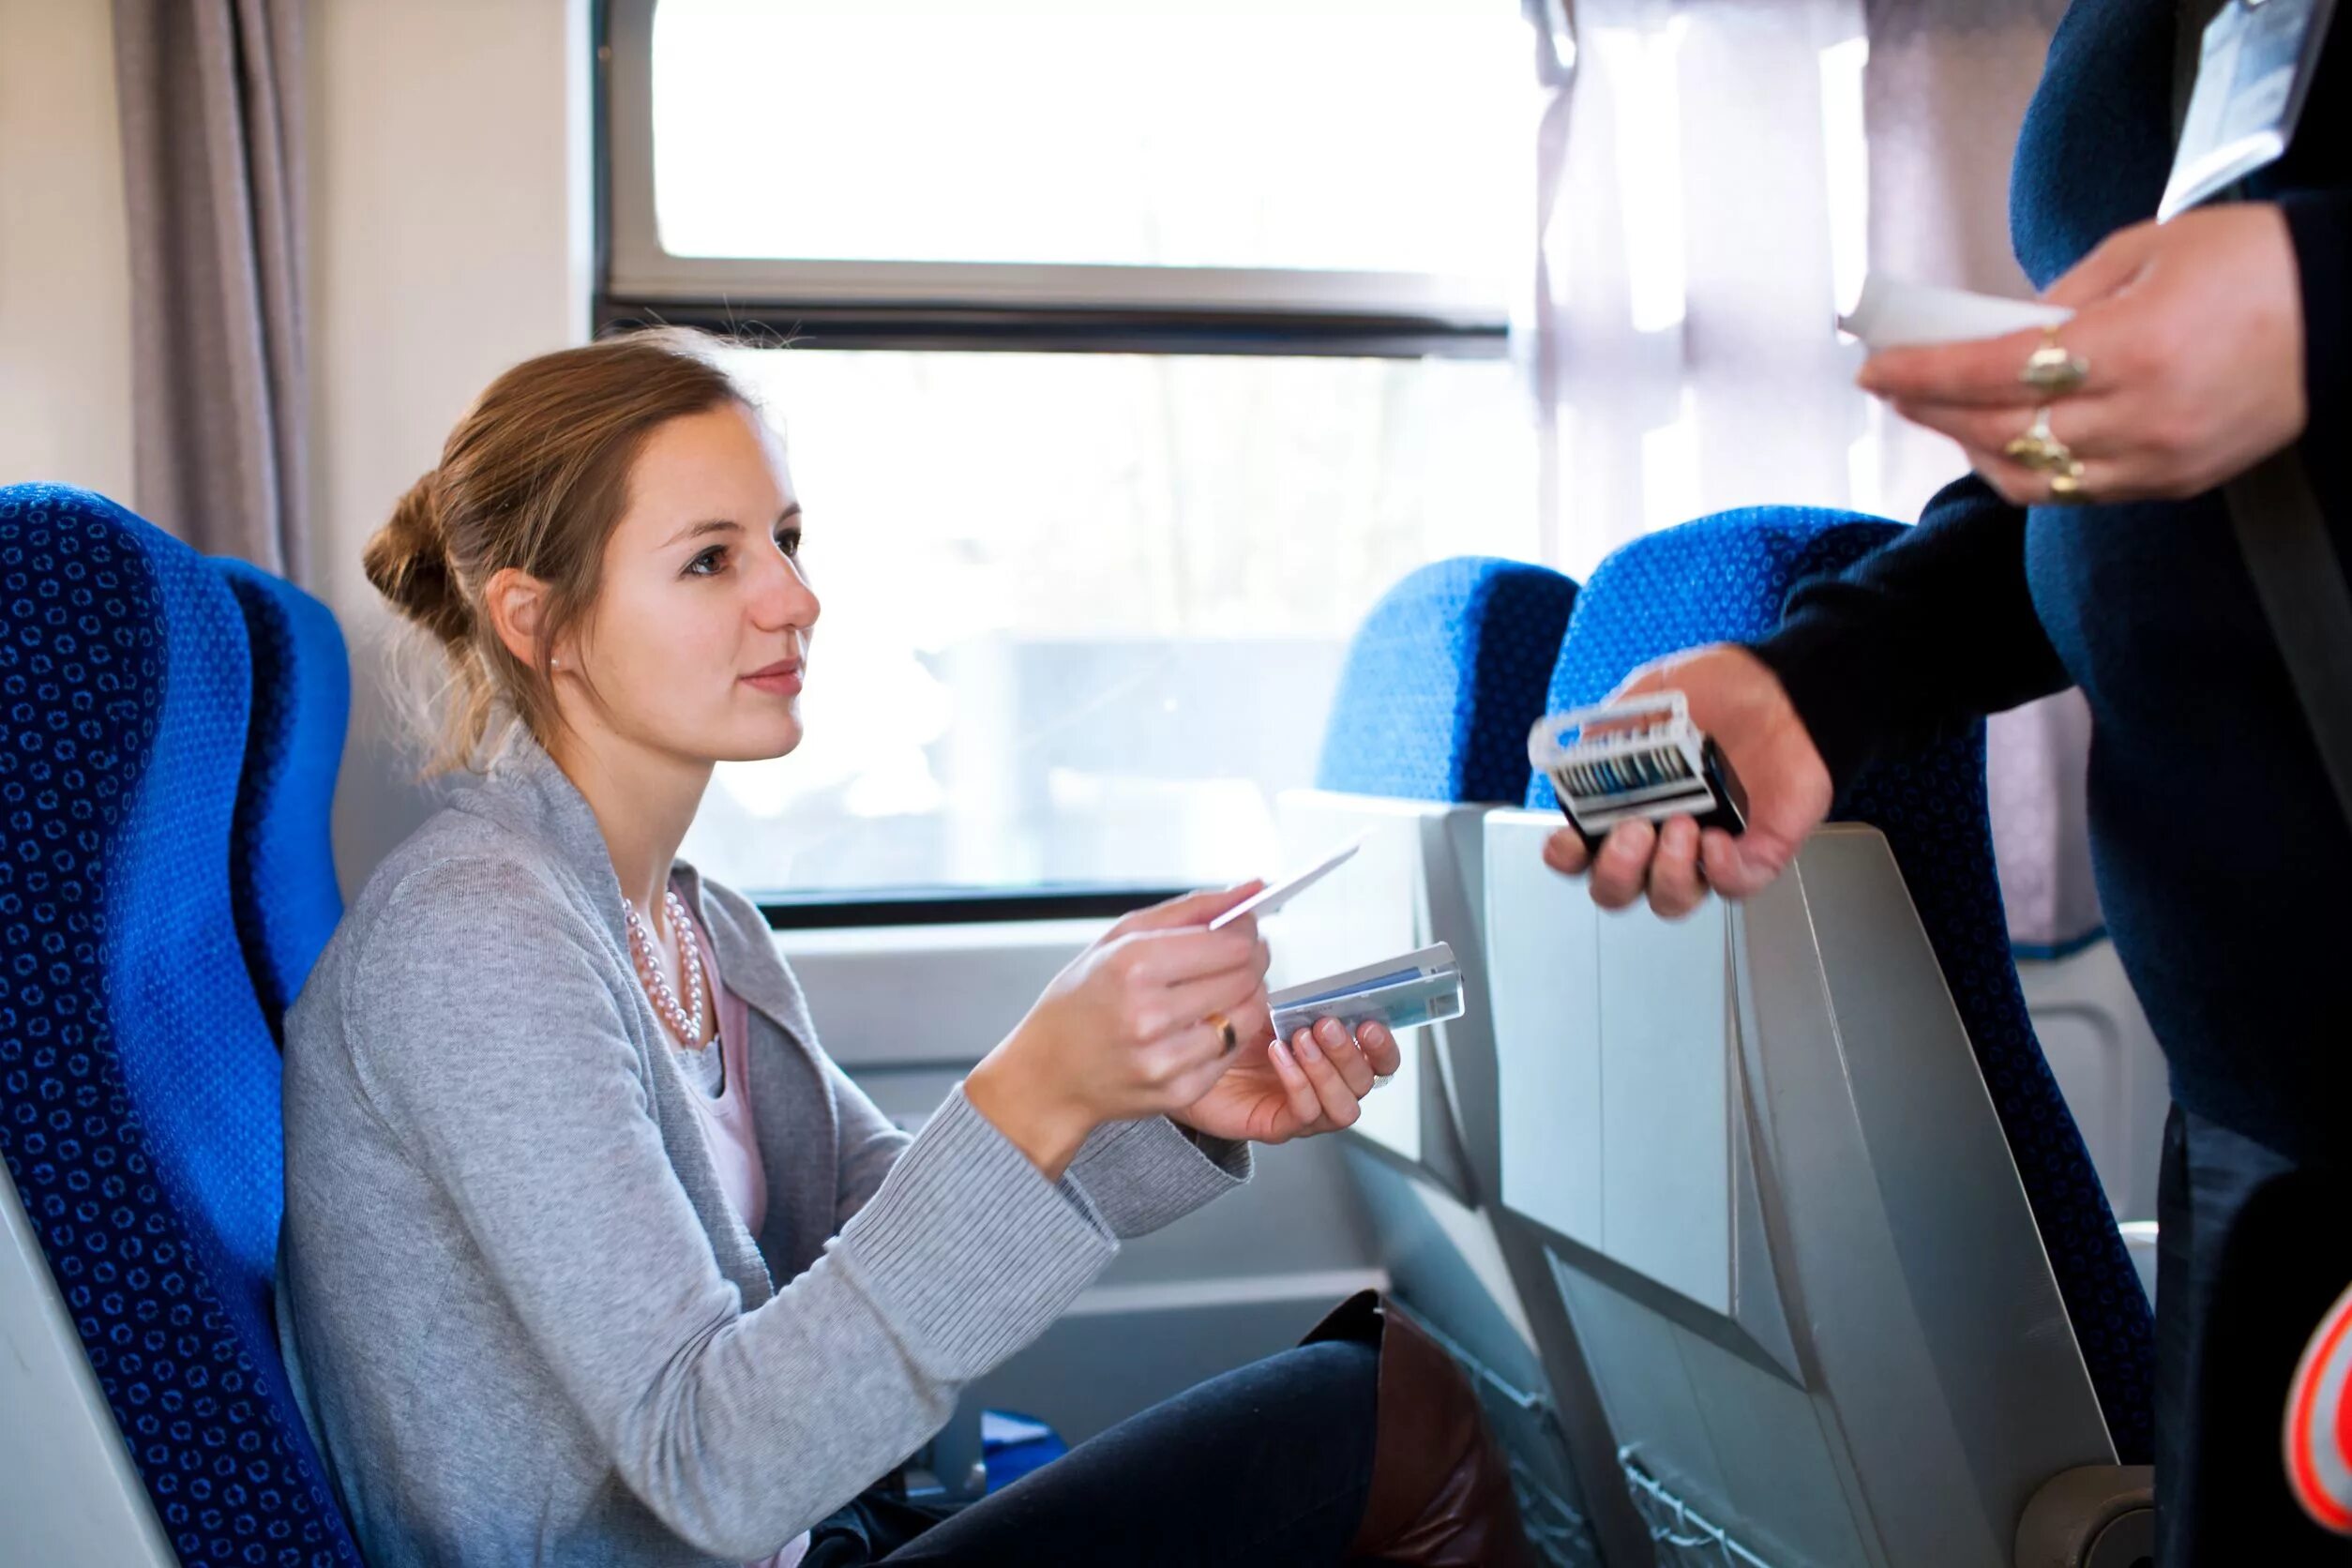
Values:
[(727, 1117), (733, 1139)]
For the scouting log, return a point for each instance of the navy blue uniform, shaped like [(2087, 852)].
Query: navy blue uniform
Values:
[(2223, 860)]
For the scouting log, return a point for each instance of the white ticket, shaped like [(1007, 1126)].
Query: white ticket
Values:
[(1266, 901), (1893, 314)]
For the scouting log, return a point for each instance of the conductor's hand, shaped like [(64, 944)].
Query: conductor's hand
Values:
[(1735, 699), (2190, 336)]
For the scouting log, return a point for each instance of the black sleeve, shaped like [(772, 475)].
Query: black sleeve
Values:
[(1920, 636), (2320, 224)]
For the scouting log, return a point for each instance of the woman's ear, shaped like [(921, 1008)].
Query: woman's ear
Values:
[(516, 603)]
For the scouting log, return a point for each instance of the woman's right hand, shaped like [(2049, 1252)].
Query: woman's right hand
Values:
[(1122, 1033), (1739, 704)]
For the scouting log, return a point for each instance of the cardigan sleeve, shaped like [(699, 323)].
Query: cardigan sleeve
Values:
[(1142, 1175)]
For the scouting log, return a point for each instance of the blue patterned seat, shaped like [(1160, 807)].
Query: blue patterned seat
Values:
[(138, 1082), (1443, 681), (281, 860), (1725, 579)]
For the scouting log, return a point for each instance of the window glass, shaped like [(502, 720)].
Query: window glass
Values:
[(1374, 135), (1083, 613)]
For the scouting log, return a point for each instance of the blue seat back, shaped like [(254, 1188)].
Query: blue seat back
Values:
[(1726, 578), (139, 1083), (1443, 681), (281, 857)]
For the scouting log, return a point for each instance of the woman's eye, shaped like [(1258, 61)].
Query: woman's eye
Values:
[(711, 562)]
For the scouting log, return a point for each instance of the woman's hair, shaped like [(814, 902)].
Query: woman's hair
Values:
[(534, 477)]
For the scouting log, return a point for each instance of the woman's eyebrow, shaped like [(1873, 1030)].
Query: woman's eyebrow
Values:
[(724, 525), (708, 525)]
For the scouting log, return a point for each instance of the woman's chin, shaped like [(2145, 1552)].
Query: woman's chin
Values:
[(750, 731), (773, 737)]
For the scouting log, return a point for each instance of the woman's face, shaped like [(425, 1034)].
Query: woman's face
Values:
[(698, 640)]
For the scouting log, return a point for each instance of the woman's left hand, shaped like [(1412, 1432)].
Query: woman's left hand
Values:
[(2191, 333), (1314, 1083)]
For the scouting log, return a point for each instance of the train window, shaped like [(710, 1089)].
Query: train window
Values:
[(1247, 155), (1136, 347)]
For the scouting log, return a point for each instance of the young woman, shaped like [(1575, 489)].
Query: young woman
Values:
[(593, 1256)]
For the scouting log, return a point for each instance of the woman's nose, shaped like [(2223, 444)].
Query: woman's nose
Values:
[(785, 599)]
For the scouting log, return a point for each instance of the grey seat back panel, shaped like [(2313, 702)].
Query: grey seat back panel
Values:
[(67, 1491), (1402, 889), (1426, 1155), (1837, 1333)]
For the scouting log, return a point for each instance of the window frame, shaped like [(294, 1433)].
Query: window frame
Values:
[(963, 306), (827, 910)]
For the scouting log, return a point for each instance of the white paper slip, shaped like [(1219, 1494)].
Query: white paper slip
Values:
[(1267, 900), (1893, 314), (1420, 987), (1417, 965)]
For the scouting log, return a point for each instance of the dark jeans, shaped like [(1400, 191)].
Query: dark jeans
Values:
[(2252, 1250), (1269, 1464)]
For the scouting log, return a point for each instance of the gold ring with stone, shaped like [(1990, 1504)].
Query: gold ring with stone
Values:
[(2038, 448), (2066, 487), (1226, 1037), (2051, 371)]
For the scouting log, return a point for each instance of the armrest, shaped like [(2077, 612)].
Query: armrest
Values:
[(2091, 1516)]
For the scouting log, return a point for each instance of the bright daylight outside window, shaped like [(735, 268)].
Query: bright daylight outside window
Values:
[(1084, 612)]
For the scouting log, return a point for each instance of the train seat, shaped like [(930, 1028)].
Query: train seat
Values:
[(139, 1078), (1428, 729), (1844, 1274)]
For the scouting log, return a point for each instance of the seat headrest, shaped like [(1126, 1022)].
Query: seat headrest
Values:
[(282, 870), (1718, 579), (1443, 680)]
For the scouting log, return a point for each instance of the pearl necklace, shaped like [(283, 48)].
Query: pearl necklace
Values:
[(685, 1022)]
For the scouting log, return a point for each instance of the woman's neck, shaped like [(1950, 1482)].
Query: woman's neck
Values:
[(643, 801)]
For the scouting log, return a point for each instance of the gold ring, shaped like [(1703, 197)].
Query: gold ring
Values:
[(1227, 1038), (2053, 371), (2066, 487), (2039, 449)]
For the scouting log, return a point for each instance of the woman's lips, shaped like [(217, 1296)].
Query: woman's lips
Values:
[(782, 678)]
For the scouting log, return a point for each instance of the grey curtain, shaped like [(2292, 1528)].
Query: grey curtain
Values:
[(211, 96), (1945, 92), (1699, 182), (1944, 95)]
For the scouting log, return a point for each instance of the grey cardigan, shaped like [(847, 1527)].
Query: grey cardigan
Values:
[(523, 1323)]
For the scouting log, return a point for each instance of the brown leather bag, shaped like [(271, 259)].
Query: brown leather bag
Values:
[(1440, 1493)]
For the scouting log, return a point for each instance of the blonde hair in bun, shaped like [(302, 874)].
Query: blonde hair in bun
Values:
[(534, 477)]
